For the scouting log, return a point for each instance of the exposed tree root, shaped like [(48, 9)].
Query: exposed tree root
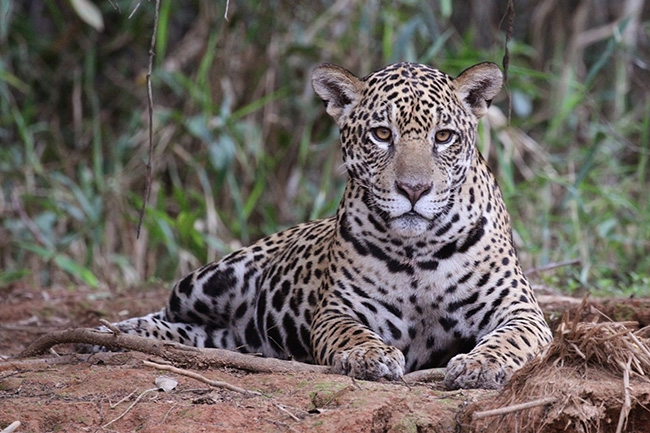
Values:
[(428, 375)]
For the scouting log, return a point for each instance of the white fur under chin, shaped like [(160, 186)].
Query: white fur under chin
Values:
[(409, 226)]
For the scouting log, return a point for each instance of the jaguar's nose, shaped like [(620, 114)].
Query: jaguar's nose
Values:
[(413, 191)]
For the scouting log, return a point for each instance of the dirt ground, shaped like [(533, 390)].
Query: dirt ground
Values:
[(118, 393)]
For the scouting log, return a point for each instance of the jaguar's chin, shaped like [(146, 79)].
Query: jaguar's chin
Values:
[(410, 224)]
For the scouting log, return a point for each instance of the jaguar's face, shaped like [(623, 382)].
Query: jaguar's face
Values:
[(408, 133)]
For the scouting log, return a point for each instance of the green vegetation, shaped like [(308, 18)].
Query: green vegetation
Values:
[(243, 148)]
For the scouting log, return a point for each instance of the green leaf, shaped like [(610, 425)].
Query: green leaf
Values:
[(8, 277), (44, 253), (79, 271), (64, 262)]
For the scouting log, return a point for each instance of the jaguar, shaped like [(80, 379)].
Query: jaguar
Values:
[(417, 269)]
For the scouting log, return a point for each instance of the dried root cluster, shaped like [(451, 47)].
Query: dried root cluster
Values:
[(594, 377)]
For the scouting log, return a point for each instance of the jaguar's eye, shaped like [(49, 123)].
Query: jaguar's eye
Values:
[(382, 134), (444, 136)]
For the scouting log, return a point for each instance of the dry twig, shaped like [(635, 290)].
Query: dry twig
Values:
[(150, 112), (122, 400), (283, 409), (551, 266), (130, 407), (200, 378), (513, 408), (168, 412), (110, 326), (11, 427), (627, 403)]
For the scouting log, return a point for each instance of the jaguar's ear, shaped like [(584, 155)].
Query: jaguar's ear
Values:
[(476, 86), (339, 88)]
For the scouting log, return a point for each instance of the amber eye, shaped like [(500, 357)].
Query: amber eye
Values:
[(382, 134), (444, 136)]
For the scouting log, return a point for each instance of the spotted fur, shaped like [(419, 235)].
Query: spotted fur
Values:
[(418, 267)]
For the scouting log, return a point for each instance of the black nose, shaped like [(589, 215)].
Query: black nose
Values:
[(412, 191)]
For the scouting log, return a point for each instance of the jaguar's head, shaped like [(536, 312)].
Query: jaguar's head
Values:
[(408, 134)]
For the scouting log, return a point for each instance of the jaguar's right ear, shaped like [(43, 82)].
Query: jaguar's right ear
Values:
[(476, 86), (339, 88)]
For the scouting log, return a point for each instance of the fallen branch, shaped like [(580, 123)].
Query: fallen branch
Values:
[(175, 353), (200, 378), (178, 354), (513, 408)]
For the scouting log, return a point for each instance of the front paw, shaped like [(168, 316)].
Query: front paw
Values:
[(370, 363), (476, 371)]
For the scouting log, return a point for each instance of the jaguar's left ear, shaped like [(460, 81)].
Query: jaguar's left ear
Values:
[(476, 86), (339, 88)]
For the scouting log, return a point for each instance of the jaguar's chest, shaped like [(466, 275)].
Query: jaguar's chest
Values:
[(426, 297), (426, 323)]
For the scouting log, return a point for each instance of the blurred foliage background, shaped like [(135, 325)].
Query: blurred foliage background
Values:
[(243, 147)]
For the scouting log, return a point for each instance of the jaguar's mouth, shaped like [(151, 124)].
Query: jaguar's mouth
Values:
[(411, 215), (410, 224)]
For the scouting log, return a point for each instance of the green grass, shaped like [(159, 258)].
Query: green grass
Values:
[(243, 147)]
